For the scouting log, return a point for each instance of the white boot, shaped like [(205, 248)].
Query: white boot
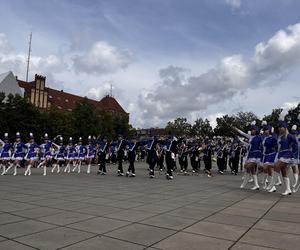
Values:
[(45, 171), (265, 181), (256, 186), (245, 180), (15, 170), (9, 167), (79, 167), (88, 169), (4, 169), (58, 168), (278, 181), (296, 176), (53, 168), (273, 179), (287, 186), (27, 170), (272, 190)]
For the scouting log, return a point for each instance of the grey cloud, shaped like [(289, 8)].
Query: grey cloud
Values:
[(177, 95)]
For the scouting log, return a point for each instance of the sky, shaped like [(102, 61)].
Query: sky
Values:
[(164, 58)]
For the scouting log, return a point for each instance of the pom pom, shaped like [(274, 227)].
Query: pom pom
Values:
[(31, 134), (282, 115), (272, 130), (70, 139), (6, 135), (249, 132), (264, 123), (61, 138), (46, 135), (294, 127), (89, 137), (253, 123)]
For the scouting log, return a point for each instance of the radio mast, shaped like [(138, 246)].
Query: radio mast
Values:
[(28, 59)]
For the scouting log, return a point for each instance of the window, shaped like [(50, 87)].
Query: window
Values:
[(66, 100), (59, 107), (70, 110), (58, 98), (50, 97)]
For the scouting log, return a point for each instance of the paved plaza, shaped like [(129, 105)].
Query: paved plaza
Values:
[(71, 211)]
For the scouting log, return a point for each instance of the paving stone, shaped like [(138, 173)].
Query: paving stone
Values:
[(55, 238), (186, 241), (104, 243), (272, 239), (17, 229), (99, 210), (12, 245), (221, 231), (65, 218), (99, 225), (37, 212), (6, 218), (130, 215), (278, 226), (10, 206), (242, 246), (141, 234), (168, 221), (232, 219)]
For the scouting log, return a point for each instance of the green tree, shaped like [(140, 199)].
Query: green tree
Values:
[(179, 127), (202, 128)]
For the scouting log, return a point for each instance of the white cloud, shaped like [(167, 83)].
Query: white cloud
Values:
[(235, 4), (15, 61), (102, 58), (176, 95)]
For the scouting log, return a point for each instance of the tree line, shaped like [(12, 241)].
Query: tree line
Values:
[(19, 115), (202, 127)]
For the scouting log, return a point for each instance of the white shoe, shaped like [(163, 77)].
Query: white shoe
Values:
[(245, 180), (15, 173), (287, 186), (255, 188), (272, 190)]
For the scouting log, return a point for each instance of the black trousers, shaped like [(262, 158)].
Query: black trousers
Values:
[(170, 162), (160, 162), (235, 165), (120, 156), (131, 159), (183, 162), (102, 162), (221, 164), (207, 162)]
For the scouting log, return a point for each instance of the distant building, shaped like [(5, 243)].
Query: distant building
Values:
[(44, 97), (9, 84), (151, 132)]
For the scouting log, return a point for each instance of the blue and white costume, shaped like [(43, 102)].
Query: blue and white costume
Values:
[(285, 148), (6, 147), (32, 153), (269, 149), (19, 151)]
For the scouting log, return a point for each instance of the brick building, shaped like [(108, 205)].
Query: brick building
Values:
[(44, 97)]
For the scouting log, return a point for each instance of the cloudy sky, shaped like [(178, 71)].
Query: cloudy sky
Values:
[(165, 58)]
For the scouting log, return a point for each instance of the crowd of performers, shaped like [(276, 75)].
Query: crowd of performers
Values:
[(261, 151)]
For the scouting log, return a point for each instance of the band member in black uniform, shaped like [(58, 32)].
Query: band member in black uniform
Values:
[(121, 144), (236, 153), (133, 146), (220, 151), (160, 152), (171, 156), (183, 157), (103, 147), (207, 152), (152, 156), (195, 158)]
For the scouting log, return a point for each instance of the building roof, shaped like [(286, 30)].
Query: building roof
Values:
[(4, 75), (67, 101)]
